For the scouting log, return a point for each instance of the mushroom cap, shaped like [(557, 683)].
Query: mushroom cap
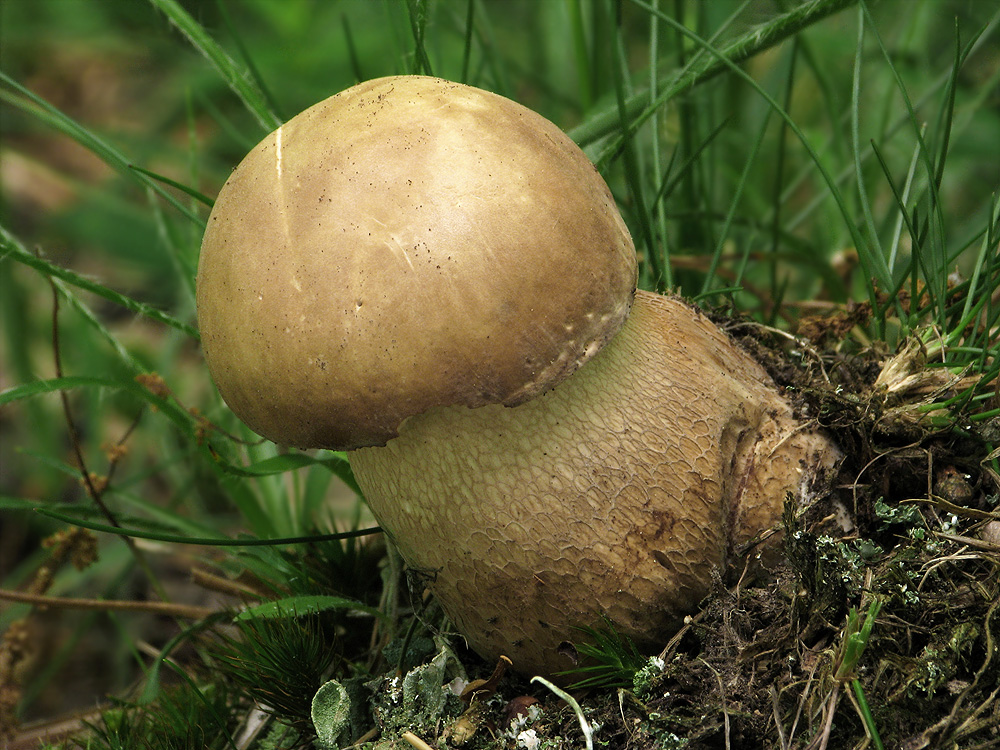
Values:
[(406, 244)]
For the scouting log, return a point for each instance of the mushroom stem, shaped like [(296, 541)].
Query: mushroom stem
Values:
[(616, 494)]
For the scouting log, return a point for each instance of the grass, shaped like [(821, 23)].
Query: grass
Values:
[(825, 169)]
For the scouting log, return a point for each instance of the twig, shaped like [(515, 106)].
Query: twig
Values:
[(776, 713), (48, 733), (416, 741), (96, 494), (824, 738), (185, 611)]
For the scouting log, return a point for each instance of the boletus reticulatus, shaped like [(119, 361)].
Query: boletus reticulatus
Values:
[(437, 279)]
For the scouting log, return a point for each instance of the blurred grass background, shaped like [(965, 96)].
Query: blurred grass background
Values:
[(722, 198)]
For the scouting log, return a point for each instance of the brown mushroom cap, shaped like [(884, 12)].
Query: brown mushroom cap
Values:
[(406, 244)]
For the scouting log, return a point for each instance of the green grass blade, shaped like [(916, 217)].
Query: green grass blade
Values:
[(417, 11), (904, 217), (470, 31), (152, 689), (198, 196), (239, 81), (733, 206), (928, 239), (901, 201), (132, 365), (179, 416), (866, 714), (695, 62), (581, 56), (297, 606), (11, 249), (251, 66), (607, 120), (673, 177), (242, 142), (659, 174), (975, 300), (876, 267), (486, 36), (336, 463), (352, 51), (631, 158), (220, 541), (872, 248), (948, 111), (779, 167), (211, 710)]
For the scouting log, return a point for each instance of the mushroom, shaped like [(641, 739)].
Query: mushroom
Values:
[(437, 279)]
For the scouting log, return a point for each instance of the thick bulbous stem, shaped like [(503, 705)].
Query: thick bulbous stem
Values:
[(614, 495)]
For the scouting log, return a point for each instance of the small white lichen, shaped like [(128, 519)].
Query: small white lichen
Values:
[(528, 739)]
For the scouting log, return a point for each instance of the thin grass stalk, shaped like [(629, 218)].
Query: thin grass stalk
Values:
[(487, 42), (877, 269), (638, 108), (834, 109), (185, 263), (588, 732), (696, 59), (662, 251), (905, 218), (242, 141), (779, 167), (417, 12), (907, 117), (934, 268), (251, 66), (866, 715), (971, 311), (904, 197), (192, 541), (352, 50), (132, 365), (95, 491), (11, 247), (634, 173), (845, 174), (734, 203), (691, 233), (470, 13), (947, 114), (239, 81), (578, 36), (873, 248), (939, 279), (673, 176)]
